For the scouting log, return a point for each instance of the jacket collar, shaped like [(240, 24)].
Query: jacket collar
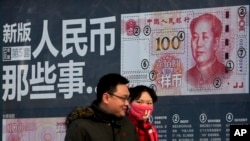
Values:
[(103, 116)]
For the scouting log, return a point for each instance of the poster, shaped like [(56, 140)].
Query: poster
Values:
[(54, 52)]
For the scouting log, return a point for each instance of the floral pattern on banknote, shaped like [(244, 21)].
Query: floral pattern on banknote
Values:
[(34, 129)]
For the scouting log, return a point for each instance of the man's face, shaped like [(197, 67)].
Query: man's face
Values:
[(118, 102), (203, 43)]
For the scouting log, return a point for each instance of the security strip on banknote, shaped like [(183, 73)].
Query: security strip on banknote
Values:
[(34, 129), (187, 52)]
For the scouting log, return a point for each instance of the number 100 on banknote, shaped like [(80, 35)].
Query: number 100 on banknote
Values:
[(187, 52)]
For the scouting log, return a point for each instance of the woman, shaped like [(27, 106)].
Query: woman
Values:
[(142, 99)]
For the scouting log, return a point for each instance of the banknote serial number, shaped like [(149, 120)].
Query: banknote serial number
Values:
[(142, 76)]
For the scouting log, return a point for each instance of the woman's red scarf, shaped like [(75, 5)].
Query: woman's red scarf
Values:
[(146, 131)]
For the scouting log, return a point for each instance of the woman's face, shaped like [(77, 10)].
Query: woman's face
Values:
[(145, 99)]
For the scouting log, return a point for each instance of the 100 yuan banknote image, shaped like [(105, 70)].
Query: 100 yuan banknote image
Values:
[(34, 129), (187, 52)]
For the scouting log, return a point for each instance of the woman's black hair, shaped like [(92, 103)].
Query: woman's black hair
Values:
[(136, 92)]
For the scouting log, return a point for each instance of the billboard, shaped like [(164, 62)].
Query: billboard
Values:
[(54, 52)]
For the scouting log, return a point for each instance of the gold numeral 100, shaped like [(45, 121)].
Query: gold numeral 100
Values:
[(165, 43)]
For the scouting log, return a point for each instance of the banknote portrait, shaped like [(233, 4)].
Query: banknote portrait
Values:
[(205, 40)]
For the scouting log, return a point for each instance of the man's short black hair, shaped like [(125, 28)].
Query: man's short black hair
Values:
[(108, 83)]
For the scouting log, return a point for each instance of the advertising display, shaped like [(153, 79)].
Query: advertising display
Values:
[(194, 54)]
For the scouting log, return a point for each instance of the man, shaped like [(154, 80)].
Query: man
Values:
[(206, 31), (105, 119)]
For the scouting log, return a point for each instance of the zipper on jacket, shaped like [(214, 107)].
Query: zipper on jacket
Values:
[(113, 129)]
